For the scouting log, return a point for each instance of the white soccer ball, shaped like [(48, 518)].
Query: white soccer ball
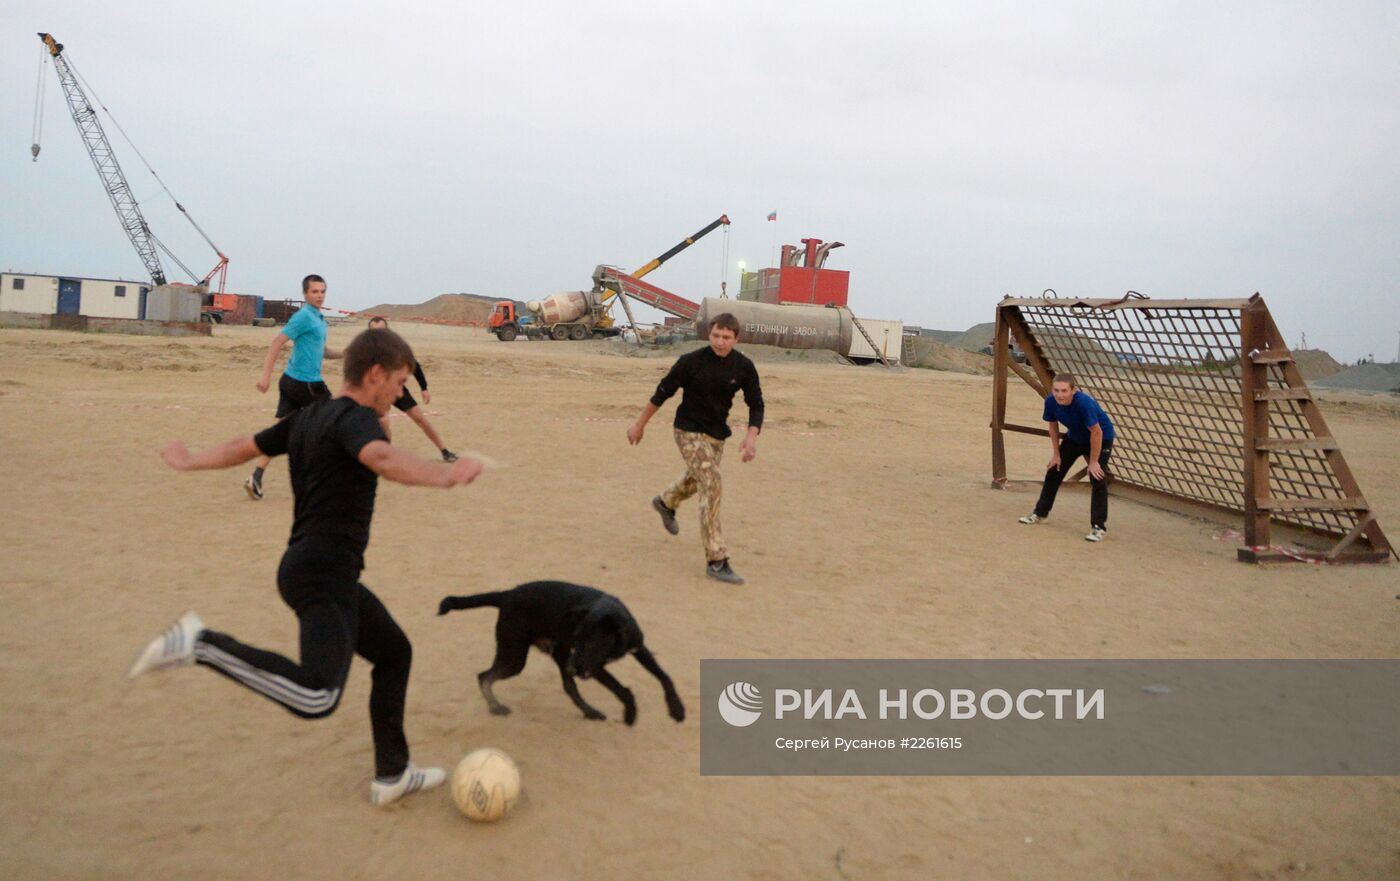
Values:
[(486, 784)]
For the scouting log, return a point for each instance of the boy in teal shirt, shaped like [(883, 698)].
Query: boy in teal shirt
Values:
[(301, 382)]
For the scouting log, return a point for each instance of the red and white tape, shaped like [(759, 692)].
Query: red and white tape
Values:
[(1236, 535)]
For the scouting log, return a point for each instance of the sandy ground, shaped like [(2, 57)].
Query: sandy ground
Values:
[(865, 527)]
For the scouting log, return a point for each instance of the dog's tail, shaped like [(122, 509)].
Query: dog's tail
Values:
[(475, 601)]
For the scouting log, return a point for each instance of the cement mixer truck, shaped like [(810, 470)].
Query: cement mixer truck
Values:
[(572, 315)]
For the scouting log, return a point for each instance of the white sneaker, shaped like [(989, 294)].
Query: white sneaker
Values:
[(413, 779), (173, 648), (1031, 519), (1098, 533)]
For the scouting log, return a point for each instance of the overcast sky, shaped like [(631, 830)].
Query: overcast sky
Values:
[(961, 151)]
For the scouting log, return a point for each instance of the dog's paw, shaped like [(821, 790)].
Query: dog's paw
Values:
[(500, 710), (595, 715), (629, 714), (445, 606), (676, 709)]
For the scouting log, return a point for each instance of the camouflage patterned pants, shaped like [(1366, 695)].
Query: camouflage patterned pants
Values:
[(701, 454)]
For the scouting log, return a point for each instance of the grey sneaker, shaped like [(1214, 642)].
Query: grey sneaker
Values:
[(1098, 533), (254, 488), (1031, 519), (173, 648), (668, 516), (413, 779), (720, 571), (448, 455)]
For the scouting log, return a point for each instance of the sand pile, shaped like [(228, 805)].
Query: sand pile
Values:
[(976, 337), (1316, 363), (1366, 377), (950, 337), (929, 352), (444, 307)]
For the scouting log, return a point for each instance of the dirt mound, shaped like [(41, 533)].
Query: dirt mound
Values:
[(444, 307), (1315, 363), (1366, 377), (974, 339), (949, 337), (930, 353), (977, 337)]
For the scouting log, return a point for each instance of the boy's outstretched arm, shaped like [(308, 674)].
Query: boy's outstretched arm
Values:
[(394, 464), (225, 455)]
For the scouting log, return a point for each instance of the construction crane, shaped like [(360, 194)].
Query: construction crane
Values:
[(114, 181), (681, 246), (100, 149), (609, 282)]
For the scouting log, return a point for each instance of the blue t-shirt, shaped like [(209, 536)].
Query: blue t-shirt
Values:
[(307, 331), (1082, 413)]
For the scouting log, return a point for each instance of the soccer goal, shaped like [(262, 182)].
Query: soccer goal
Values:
[(1212, 416)]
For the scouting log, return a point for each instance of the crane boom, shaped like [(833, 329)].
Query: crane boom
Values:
[(98, 147), (606, 279), (681, 246)]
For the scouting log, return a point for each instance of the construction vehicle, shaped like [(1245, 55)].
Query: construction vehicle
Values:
[(119, 191), (573, 315), (581, 315)]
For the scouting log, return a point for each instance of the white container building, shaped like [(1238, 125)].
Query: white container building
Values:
[(63, 295)]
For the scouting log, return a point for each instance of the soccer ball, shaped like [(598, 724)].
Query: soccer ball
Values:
[(486, 784)]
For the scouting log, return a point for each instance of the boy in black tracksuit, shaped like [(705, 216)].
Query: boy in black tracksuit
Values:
[(337, 452), (409, 407)]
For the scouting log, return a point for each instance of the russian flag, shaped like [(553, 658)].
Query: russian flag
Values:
[(773, 215)]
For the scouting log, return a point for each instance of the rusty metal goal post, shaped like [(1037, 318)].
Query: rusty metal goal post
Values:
[(1211, 413)]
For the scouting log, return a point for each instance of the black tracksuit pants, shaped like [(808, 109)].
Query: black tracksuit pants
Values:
[(1070, 453), (339, 619)]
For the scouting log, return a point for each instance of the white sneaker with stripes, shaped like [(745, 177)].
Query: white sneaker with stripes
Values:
[(413, 779), (173, 648)]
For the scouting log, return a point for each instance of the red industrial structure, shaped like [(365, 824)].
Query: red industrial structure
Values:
[(801, 277)]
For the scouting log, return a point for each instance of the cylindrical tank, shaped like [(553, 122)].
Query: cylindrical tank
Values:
[(568, 306), (789, 326)]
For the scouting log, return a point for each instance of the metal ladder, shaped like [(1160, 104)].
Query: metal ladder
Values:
[(878, 352)]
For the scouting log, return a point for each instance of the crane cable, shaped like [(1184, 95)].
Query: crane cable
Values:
[(724, 265), (171, 255), (39, 86), (142, 157)]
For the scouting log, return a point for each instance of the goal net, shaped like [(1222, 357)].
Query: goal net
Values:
[(1209, 409)]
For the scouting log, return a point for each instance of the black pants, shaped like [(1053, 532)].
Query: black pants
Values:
[(293, 394), (1069, 454), (339, 619)]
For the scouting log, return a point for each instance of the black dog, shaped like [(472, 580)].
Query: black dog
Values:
[(581, 628)]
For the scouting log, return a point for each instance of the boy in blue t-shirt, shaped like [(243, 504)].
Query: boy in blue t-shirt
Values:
[(1091, 436), (301, 382)]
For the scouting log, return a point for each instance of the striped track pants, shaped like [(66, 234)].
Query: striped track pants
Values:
[(338, 619)]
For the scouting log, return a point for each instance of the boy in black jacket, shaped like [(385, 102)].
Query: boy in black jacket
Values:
[(710, 377)]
